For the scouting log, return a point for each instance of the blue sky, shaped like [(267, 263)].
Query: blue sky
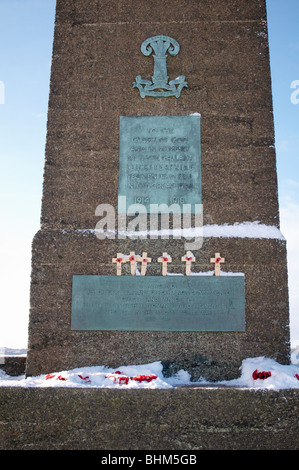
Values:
[(283, 20), (26, 35)]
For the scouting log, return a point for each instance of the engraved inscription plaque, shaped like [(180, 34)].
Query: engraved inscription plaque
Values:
[(159, 161), (157, 303)]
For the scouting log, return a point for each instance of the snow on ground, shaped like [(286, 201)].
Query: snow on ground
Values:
[(9, 352), (255, 373)]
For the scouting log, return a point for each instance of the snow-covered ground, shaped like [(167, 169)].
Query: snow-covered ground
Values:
[(13, 352), (255, 373)]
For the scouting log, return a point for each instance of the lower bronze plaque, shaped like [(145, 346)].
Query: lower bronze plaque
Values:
[(159, 161), (158, 303)]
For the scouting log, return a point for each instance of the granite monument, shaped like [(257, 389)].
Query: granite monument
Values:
[(160, 140)]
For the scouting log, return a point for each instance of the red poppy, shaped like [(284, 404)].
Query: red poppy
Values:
[(123, 379), (83, 378), (261, 375), (50, 376), (144, 378)]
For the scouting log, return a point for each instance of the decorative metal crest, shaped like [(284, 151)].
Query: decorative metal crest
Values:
[(159, 45)]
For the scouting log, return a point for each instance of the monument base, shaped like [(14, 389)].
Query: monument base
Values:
[(215, 355)]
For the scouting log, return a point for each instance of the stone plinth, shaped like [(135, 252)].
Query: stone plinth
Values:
[(187, 419), (215, 355)]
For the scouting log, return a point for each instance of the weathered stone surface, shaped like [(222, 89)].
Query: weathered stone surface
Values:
[(188, 419), (225, 57), (14, 365), (96, 57)]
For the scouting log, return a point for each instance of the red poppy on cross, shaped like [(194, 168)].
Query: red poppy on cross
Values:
[(164, 259), (217, 260), (119, 260), (188, 259), (133, 258), (144, 261)]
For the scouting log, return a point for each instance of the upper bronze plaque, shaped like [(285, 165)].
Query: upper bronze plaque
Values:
[(159, 161)]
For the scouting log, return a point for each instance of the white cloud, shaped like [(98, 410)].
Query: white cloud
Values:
[(15, 253), (292, 183), (289, 215), (294, 45), (283, 146), (39, 115)]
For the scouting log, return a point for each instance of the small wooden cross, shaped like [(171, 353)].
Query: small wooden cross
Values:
[(133, 258), (119, 260), (164, 260), (217, 260), (188, 259), (144, 260)]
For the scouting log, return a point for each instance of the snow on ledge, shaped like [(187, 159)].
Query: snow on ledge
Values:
[(207, 273), (243, 230), (237, 230)]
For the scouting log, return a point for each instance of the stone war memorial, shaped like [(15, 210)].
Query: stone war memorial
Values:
[(160, 236)]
